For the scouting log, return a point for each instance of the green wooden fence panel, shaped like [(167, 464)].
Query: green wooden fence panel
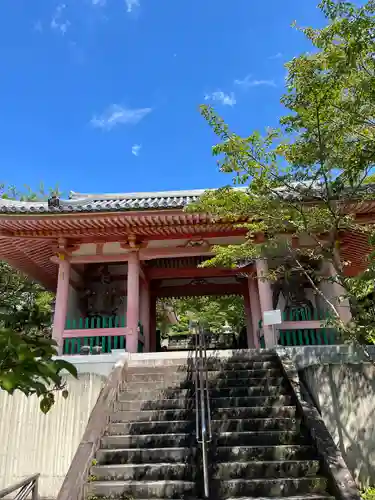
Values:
[(85, 322), (107, 343)]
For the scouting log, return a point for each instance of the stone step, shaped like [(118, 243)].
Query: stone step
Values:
[(238, 392), (283, 487), (270, 469), (255, 424), (148, 440), (141, 489), (161, 404), (158, 375), (181, 377), (152, 415), (253, 412), (228, 365), (152, 427), (248, 382), (153, 393), (144, 472), (148, 392), (282, 400), (146, 455), (247, 374), (161, 365), (244, 453), (305, 496), (245, 354), (260, 438), (164, 384), (188, 426)]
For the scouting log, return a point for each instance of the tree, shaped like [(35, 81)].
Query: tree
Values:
[(25, 306), (26, 350), (307, 178), (27, 365), (213, 312)]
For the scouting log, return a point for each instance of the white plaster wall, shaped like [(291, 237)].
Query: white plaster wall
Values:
[(114, 248), (345, 395), (32, 442), (86, 249)]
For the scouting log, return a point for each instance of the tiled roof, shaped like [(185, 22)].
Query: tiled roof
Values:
[(78, 202)]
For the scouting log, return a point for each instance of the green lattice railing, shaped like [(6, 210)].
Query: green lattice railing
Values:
[(107, 344), (305, 314), (89, 323), (322, 336), (304, 337)]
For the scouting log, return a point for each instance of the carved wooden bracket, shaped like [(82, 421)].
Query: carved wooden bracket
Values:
[(195, 242), (65, 247), (133, 243)]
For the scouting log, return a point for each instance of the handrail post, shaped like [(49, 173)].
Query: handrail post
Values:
[(196, 387), (202, 398), (35, 490), (208, 407)]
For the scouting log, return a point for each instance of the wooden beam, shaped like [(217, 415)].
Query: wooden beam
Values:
[(191, 272), (198, 290), (162, 253), (98, 259)]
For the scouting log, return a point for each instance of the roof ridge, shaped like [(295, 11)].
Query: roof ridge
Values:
[(147, 194)]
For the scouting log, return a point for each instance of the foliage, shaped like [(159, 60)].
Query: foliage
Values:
[(25, 306), (368, 494), (213, 312), (303, 182), (26, 365), (27, 194), (26, 350)]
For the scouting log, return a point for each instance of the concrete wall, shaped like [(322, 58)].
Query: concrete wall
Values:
[(32, 442), (345, 395)]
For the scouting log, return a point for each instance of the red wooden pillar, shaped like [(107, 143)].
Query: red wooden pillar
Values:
[(249, 326), (132, 310), (61, 303), (145, 314), (152, 319)]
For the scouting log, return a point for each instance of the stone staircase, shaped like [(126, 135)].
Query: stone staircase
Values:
[(150, 449), (259, 447)]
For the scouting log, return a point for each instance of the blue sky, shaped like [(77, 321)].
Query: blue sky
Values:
[(103, 95)]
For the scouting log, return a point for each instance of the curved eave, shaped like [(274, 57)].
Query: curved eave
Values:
[(28, 242), (32, 258), (143, 224)]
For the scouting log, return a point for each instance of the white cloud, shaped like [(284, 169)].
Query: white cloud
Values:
[(119, 115), (249, 82), (279, 55), (99, 3), (59, 22), (219, 95), (130, 4), (136, 149)]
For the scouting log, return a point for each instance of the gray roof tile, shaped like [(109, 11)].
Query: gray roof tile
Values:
[(78, 202)]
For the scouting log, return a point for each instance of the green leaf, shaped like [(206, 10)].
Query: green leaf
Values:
[(47, 402), (61, 364)]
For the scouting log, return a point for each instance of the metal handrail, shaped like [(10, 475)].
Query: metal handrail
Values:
[(206, 385), (26, 486), (203, 424)]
